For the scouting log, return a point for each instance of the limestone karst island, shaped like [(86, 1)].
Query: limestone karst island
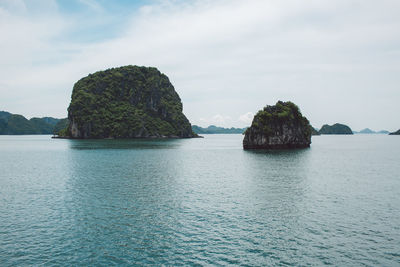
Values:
[(279, 126), (126, 102), (336, 128), (141, 102)]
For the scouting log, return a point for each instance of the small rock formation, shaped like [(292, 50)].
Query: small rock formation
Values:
[(395, 133), (337, 128), (126, 102), (278, 127)]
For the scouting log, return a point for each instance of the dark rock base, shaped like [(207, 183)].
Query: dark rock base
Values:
[(281, 146)]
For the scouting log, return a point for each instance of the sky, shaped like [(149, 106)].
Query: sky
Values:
[(339, 61)]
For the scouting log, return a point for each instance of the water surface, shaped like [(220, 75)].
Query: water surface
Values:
[(199, 202)]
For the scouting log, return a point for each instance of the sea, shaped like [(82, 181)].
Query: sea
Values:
[(199, 202)]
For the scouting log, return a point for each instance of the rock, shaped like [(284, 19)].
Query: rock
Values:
[(277, 127), (337, 128), (395, 133), (127, 102)]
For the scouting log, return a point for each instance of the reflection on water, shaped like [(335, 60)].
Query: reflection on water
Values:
[(277, 151), (125, 144), (128, 197)]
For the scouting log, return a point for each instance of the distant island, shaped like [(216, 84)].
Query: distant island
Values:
[(126, 102), (15, 124), (396, 133), (278, 126), (212, 129), (369, 131), (366, 131), (336, 128)]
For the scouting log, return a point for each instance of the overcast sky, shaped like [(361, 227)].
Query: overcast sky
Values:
[(339, 61)]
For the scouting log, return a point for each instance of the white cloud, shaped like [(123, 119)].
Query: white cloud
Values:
[(220, 119), (223, 57), (246, 118), (217, 120), (13, 5)]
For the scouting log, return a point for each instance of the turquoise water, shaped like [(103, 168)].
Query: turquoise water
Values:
[(199, 202)]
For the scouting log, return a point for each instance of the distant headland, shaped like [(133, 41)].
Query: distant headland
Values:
[(369, 131), (15, 124), (336, 128)]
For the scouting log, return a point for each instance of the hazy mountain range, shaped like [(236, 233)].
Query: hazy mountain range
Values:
[(369, 131), (212, 129), (18, 124)]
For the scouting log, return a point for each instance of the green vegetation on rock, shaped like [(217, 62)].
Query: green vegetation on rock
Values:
[(278, 126), (41, 125), (337, 128), (51, 121), (4, 115), (61, 127), (126, 102), (14, 124)]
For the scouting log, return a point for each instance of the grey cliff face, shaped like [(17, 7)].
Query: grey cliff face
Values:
[(80, 132), (278, 127), (286, 137)]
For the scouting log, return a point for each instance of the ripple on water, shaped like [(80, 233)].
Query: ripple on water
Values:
[(199, 202)]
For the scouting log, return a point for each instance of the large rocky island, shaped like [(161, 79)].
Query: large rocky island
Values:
[(336, 128), (280, 126), (126, 102)]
